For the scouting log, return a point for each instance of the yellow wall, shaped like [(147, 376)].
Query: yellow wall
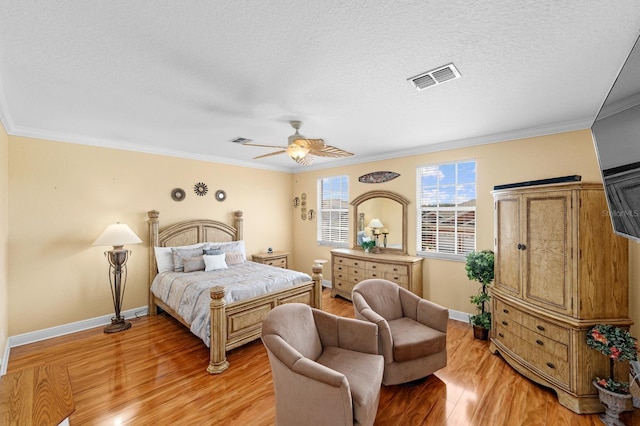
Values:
[(4, 237), (445, 282), (63, 195)]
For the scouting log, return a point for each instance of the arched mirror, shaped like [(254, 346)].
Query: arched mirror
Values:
[(381, 216)]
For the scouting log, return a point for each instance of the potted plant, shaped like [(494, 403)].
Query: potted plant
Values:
[(479, 267), (617, 344), (368, 245)]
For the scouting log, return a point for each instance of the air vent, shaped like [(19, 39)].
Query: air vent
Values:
[(434, 77), (240, 140)]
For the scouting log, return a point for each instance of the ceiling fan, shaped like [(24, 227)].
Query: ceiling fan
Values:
[(301, 149)]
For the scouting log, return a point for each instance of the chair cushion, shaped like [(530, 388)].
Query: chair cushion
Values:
[(364, 374), (413, 340)]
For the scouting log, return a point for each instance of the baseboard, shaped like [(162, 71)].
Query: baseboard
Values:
[(326, 284), (61, 330), (5, 359)]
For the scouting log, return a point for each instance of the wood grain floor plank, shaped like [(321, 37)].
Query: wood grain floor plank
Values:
[(154, 373)]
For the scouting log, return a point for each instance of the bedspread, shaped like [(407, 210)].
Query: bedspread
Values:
[(188, 293)]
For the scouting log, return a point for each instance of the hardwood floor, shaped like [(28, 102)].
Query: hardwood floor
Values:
[(154, 373)]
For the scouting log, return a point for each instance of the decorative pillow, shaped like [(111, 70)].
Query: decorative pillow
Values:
[(180, 254), (212, 251), (214, 261), (230, 246), (192, 264), (233, 257), (164, 256)]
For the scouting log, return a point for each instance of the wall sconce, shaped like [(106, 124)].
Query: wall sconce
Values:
[(296, 202), (312, 214), (117, 235)]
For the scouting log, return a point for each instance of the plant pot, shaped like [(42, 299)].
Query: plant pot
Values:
[(480, 333), (614, 404)]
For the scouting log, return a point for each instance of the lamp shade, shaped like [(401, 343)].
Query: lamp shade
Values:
[(117, 235), (375, 223)]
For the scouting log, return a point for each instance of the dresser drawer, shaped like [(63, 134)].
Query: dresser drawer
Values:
[(394, 269), (545, 362), (342, 261), (280, 262), (340, 273), (508, 312), (357, 273), (552, 347), (546, 329), (343, 285), (401, 280)]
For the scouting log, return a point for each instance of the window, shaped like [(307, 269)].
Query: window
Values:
[(333, 210), (446, 209)]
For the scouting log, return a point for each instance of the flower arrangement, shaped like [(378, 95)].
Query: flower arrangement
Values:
[(368, 245), (618, 344)]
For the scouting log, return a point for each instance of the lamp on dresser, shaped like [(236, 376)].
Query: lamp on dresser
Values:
[(376, 226), (117, 235)]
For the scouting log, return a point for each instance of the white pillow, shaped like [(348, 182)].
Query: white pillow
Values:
[(214, 261), (164, 256), (230, 246)]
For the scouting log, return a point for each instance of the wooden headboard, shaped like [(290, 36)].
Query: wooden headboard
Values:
[(189, 232)]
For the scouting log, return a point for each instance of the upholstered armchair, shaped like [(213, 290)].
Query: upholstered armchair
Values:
[(411, 330), (326, 369)]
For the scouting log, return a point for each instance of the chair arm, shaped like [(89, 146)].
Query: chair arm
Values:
[(385, 339), (433, 315), (356, 335), (319, 373)]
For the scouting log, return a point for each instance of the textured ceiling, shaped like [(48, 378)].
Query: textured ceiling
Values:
[(184, 78)]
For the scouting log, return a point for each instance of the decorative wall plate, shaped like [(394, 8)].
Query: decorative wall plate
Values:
[(200, 189), (221, 195), (378, 177), (178, 194)]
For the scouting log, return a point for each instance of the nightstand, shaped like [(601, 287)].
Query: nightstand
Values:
[(279, 259)]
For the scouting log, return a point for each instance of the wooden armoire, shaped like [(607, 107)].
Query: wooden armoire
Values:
[(559, 270)]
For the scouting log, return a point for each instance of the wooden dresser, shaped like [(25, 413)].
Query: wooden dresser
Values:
[(349, 267), (559, 270)]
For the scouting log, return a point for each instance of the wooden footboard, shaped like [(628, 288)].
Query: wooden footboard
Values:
[(238, 323), (233, 324)]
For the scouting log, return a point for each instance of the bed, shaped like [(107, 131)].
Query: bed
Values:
[(231, 322)]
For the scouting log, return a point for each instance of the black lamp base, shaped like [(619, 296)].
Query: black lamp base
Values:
[(117, 325)]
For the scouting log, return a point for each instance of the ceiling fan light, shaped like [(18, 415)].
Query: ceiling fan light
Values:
[(297, 152)]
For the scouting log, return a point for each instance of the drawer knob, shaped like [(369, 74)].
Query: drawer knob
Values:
[(541, 328), (540, 342), (550, 365), (374, 266), (501, 335), (395, 269), (506, 311), (374, 275), (505, 323)]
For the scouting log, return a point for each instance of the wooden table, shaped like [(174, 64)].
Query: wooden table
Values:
[(36, 396)]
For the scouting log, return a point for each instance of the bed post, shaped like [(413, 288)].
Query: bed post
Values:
[(154, 230), (237, 223), (218, 339), (317, 287)]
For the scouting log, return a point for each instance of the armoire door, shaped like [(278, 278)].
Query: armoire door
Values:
[(546, 250)]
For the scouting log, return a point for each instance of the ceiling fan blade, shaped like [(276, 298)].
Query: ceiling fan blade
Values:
[(305, 161), (310, 143), (264, 146), (270, 154), (330, 151)]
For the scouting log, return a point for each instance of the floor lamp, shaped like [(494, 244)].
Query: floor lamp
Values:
[(117, 235)]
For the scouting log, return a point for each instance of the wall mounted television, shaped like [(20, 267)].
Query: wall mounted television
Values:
[(616, 134)]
